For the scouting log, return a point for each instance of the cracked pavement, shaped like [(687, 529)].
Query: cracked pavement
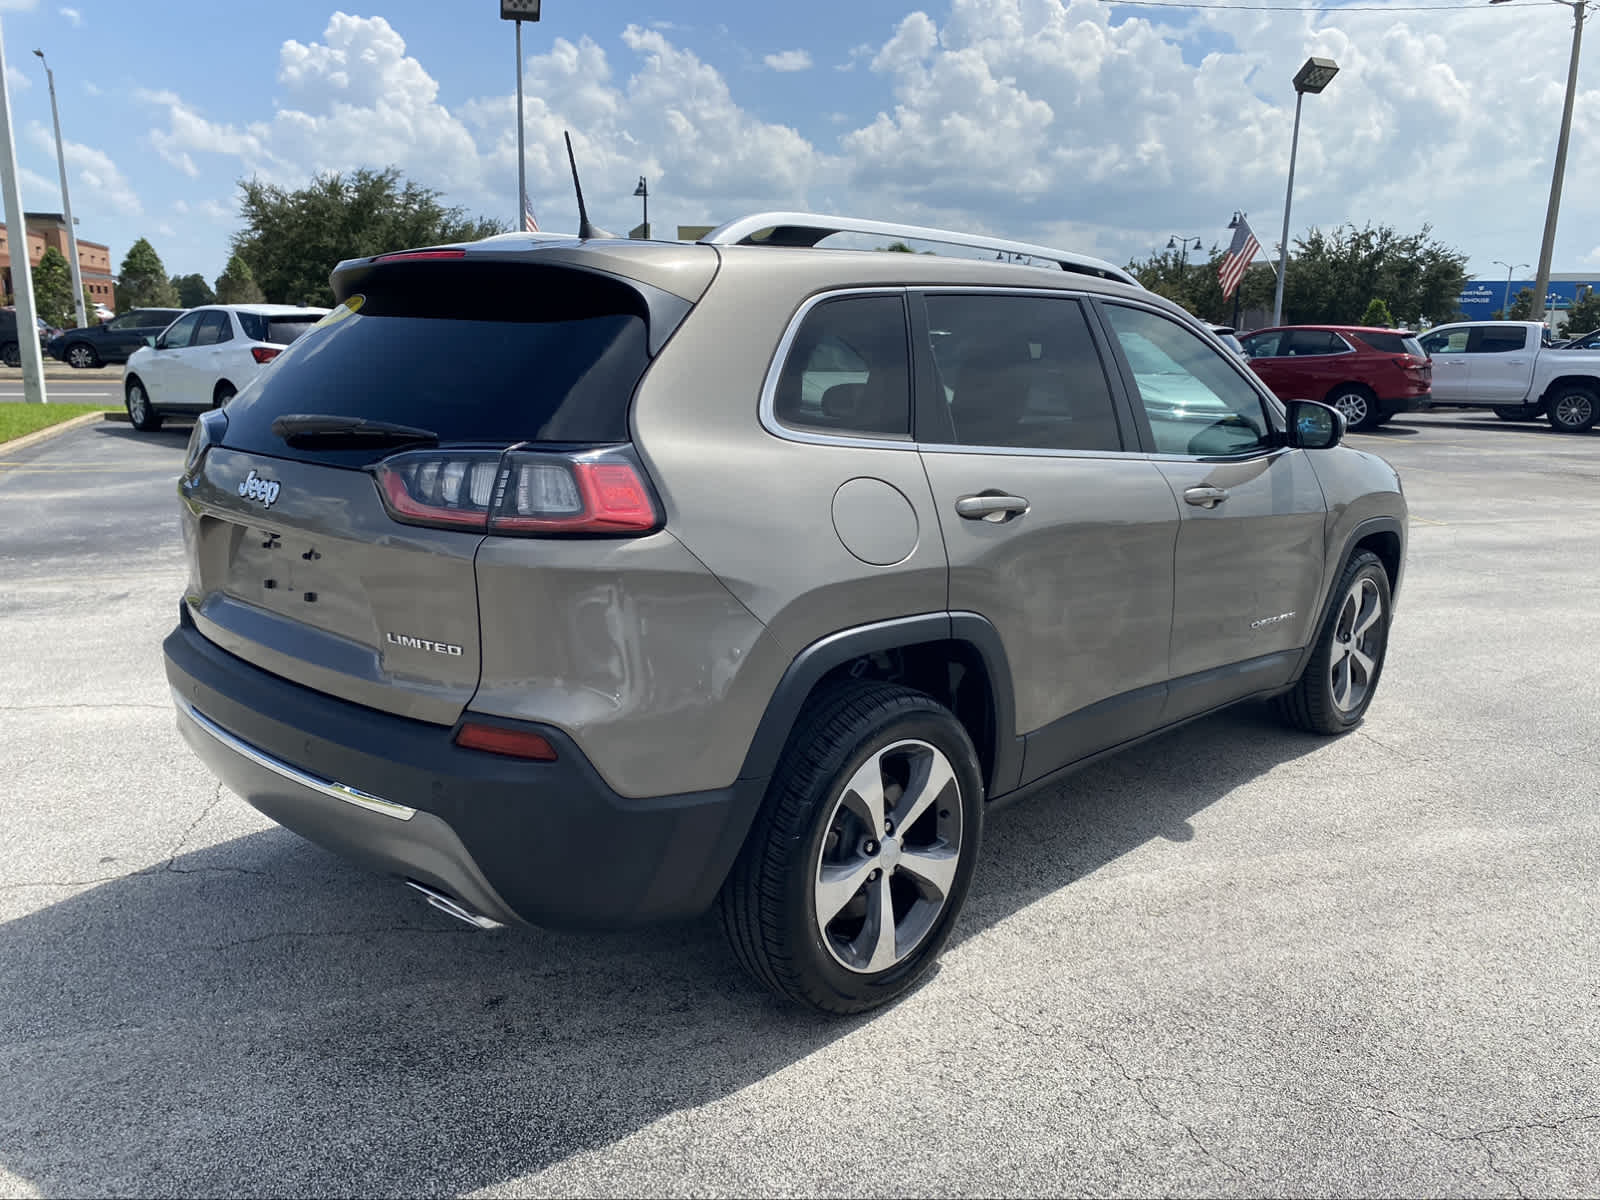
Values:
[(1234, 961)]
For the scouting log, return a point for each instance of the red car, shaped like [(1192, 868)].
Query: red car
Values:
[(1367, 374)]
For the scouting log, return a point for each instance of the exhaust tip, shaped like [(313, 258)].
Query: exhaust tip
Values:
[(449, 904)]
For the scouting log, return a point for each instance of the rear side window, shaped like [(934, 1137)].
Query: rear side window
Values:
[(848, 370), (1391, 343), (484, 354), (279, 331), (1498, 339), (1021, 371)]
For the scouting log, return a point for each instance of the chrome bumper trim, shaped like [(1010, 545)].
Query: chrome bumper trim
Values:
[(326, 787)]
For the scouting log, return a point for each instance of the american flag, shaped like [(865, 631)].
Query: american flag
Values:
[(530, 223), (1239, 256)]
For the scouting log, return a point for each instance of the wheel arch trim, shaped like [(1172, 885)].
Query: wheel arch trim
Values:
[(836, 649), (1357, 535)]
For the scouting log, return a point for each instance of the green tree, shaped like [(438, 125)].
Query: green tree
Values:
[(143, 282), (52, 290), (1584, 316), (193, 290), (1522, 306), (1197, 287), (1333, 275), (1378, 314), (236, 285), (293, 240)]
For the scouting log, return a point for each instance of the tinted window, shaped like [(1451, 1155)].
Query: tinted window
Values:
[(1262, 345), (848, 371), (1303, 342), (213, 328), (150, 318), (1020, 371), (1198, 404), (1498, 339), (1447, 341), (1391, 343), (181, 333), (488, 355), (280, 331)]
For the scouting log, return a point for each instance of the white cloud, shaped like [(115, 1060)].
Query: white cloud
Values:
[(17, 79), (789, 60), (96, 179), (92, 88), (74, 16)]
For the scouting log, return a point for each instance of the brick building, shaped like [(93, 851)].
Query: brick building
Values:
[(50, 229)]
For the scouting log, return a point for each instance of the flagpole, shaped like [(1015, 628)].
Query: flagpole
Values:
[(522, 171)]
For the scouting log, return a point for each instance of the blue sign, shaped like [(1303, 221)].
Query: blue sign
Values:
[(1481, 298)]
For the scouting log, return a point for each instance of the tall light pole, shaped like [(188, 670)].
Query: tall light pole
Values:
[(1182, 243), (643, 192), (1314, 75), (66, 201), (21, 272), (1505, 303), (520, 11), (1546, 248)]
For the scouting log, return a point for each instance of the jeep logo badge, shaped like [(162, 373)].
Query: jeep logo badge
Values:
[(256, 488)]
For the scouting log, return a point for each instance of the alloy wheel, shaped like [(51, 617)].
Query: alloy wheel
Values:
[(889, 857), (138, 406), (1353, 665), (80, 356), (1354, 407), (1574, 410)]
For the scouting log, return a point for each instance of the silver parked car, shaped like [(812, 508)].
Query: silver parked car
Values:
[(587, 583)]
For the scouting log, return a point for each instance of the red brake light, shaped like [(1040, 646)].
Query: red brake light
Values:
[(514, 743), (518, 492), (417, 254), (265, 354)]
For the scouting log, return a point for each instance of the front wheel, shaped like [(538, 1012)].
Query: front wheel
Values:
[(1573, 409), (11, 354), (1338, 683), (82, 357), (860, 859), (1359, 406), (141, 412)]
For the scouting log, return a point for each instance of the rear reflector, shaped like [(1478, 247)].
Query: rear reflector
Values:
[(519, 492), (265, 354), (514, 743), (420, 254)]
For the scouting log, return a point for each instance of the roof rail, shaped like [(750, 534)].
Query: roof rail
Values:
[(807, 229)]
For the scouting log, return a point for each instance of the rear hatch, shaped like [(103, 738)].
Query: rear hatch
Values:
[(336, 505)]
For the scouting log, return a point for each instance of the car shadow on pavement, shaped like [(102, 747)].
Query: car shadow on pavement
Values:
[(258, 1017)]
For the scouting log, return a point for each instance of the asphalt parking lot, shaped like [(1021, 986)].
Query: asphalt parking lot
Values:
[(1233, 961)]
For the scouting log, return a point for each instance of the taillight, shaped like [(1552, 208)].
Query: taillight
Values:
[(519, 492), (208, 429), (265, 354), (399, 255)]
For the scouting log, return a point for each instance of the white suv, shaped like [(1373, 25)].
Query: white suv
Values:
[(205, 357)]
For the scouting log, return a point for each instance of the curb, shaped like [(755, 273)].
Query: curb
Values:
[(50, 431)]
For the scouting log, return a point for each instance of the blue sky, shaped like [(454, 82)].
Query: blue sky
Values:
[(1101, 127)]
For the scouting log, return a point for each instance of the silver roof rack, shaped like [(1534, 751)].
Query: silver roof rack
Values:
[(807, 229)]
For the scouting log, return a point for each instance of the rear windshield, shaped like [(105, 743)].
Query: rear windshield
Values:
[(1393, 343), (280, 331), (480, 354)]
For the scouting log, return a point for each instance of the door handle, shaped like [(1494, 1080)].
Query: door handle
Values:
[(991, 507), (1205, 496)]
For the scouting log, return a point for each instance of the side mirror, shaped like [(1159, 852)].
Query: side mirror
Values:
[(1314, 426)]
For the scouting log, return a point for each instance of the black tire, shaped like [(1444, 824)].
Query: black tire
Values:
[(770, 900), (11, 354), (1313, 704), (82, 356), (224, 392), (1573, 408), (1517, 412), (1358, 405), (141, 412)]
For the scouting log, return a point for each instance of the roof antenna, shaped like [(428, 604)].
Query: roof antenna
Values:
[(586, 229)]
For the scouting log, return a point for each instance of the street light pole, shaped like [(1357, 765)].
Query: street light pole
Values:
[(1541, 287), (21, 272), (1505, 303), (66, 200), (1314, 75), (643, 192), (520, 11)]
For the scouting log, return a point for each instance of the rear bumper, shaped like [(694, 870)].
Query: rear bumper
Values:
[(1400, 404), (543, 843)]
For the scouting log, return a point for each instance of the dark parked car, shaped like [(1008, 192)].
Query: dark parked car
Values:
[(1587, 341), (1367, 374), (113, 341)]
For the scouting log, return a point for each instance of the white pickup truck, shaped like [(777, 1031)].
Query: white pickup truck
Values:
[(1504, 365)]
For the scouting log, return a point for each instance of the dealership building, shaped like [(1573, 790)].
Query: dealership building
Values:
[(50, 229)]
